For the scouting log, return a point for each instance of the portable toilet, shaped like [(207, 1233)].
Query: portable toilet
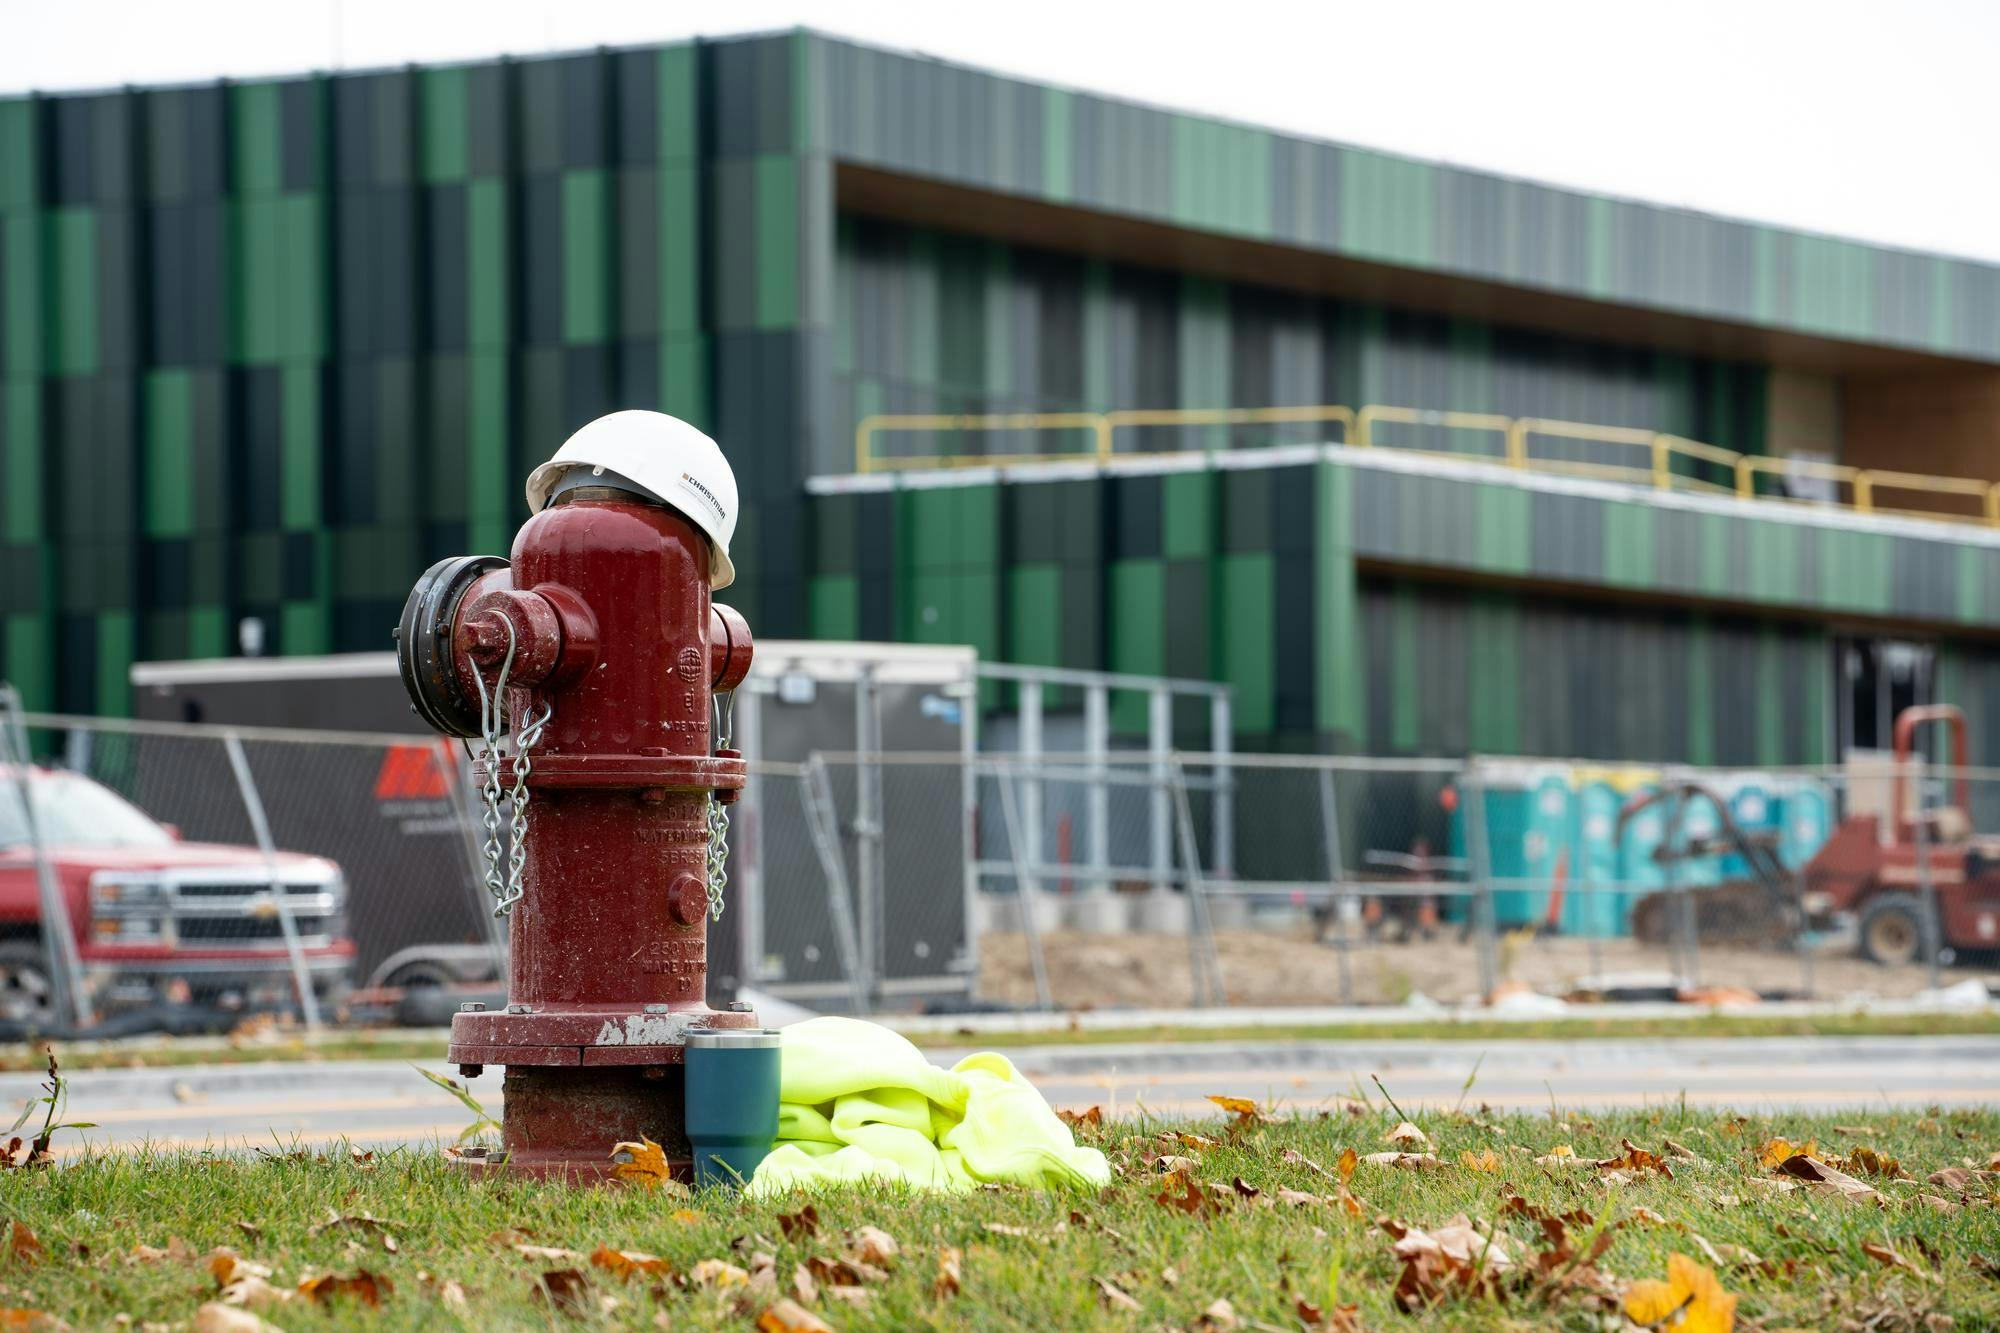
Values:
[(1638, 872), (1597, 899), (1526, 811), (1699, 821), (1753, 805), (1806, 814)]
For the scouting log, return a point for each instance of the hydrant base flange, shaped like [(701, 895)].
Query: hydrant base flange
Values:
[(583, 1036)]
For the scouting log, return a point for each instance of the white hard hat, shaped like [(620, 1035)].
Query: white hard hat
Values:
[(661, 455)]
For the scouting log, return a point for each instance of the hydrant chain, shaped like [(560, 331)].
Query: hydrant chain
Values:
[(718, 813), (489, 733), (526, 736)]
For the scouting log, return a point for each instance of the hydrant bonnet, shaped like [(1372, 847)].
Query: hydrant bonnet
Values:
[(662, 455)]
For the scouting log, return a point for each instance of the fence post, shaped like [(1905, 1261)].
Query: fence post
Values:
[(253, 805), (1031, 804), (1336, 878), (1097, 809), (1481, 869), (1932, 939), (1222, 795), (70, 997), (868, 821), (1159, 742), (1206, 967), (816, 796), (1027, 890)]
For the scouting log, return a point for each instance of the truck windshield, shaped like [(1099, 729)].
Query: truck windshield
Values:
[(73, 811)]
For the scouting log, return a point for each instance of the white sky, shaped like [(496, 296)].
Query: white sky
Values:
[(1868, 118)]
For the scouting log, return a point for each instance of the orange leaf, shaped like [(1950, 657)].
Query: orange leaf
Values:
[(1234, 1105), (644, 1163), (1690, 1292), (366, 1287), (1348, 1161), (22, 1246), (624, 1263), (1486, 1161), (788, 1316), (34, 1320), (1777, 1150), (949, 1276)]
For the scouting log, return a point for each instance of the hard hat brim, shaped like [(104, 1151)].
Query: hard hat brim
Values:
[(721, 569)]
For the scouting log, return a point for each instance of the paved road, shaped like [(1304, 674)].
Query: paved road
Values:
[(382, 1102)]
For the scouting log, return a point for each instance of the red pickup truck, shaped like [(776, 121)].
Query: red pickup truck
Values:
[(155, 917)]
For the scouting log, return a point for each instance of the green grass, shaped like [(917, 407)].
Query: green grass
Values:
[(91, 1212), (399, 1045)]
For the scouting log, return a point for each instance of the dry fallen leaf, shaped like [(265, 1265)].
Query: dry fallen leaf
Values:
[(1888, 1258), (717, 1273), (22, 1247), (788, 1316), (1114, 1296), (1407, 1134), (1191, 1198), (1777, 1150), (802, 1224), (564, 1289), (1407, 1161), (949, 1275), (872, 1245), (215, 1317), (1691, 1296), (624, 1263), (1220, 1314), (254, 1293), (1348, 1161), (1830, 1179), (642, 1163), (368, 1288), (362, 1222), (1089, 1118), (1485, 1161), (544, 1253)]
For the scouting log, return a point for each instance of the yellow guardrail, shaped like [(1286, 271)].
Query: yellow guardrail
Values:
[(1654, 464)]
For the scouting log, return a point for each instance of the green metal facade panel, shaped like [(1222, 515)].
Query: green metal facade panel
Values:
[(1358, 606), (930, 322), (925, 117), (267, 348)]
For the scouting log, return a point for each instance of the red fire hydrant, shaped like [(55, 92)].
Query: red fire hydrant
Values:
[(586, 672)]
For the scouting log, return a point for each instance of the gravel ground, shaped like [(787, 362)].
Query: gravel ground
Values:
[(1278, 968)]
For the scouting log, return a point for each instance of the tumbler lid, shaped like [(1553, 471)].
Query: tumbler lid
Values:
[(741, 1039)]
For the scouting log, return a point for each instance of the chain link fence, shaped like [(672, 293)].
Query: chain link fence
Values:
[(316, 870)]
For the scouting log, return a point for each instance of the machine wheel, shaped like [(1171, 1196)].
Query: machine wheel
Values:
[(1892, 930), (27, 993)]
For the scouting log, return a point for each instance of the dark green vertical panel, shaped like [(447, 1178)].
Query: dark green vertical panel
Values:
[(1245, 615)]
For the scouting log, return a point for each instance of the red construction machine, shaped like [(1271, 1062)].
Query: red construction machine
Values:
[(1873, 871)]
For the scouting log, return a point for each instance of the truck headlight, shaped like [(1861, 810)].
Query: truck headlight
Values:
[(1816, 903), (127, 910)]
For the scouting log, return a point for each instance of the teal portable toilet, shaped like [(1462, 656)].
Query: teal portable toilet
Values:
[(1753, 804), (1699, 821), (1807, 820), (1527, 816), (1598, 897), (1638, 872)]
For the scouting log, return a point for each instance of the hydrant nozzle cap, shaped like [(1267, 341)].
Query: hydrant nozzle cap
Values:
[(665, 458)]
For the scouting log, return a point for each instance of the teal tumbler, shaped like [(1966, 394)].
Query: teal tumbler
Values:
[(732, 1102)]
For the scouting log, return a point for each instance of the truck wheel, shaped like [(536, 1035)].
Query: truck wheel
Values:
[(1892, 930), (26, 993)]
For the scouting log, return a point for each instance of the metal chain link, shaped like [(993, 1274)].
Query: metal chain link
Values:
[(718, 814), (526, 736), (507, 888)]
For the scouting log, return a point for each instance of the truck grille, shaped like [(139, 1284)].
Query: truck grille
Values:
[(242, 890), (242, 930)]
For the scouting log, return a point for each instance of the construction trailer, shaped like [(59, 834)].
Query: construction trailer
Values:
[(834, 904)]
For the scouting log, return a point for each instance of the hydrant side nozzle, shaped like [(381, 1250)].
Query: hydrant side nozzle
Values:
[(729, 648)]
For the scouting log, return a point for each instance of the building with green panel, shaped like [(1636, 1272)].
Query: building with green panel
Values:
[(267, 348)]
